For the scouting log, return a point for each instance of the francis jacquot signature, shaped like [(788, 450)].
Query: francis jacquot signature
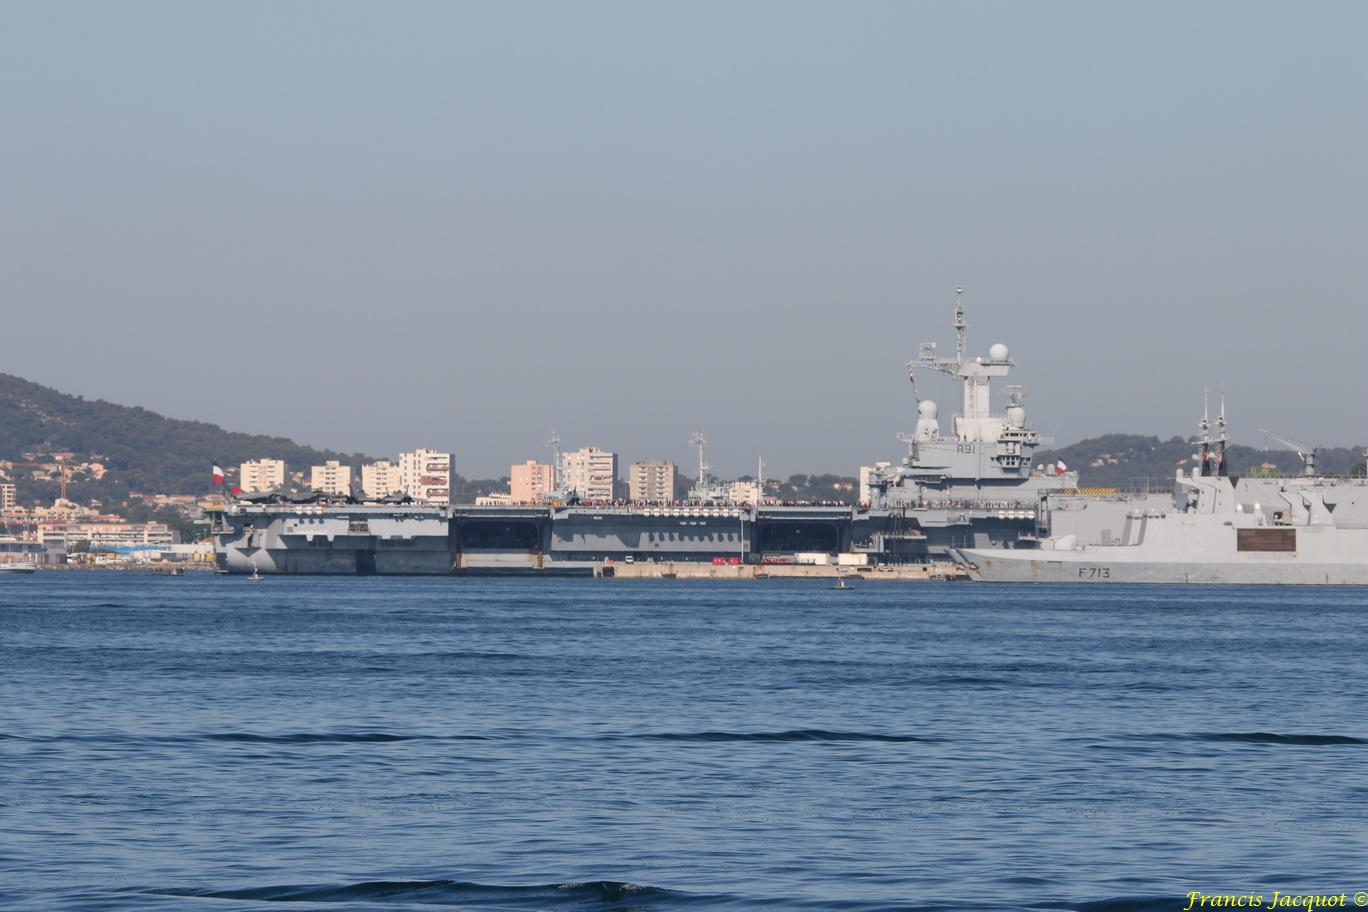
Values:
[(1279, 900)]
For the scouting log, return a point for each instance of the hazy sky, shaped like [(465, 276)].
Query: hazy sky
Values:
[(386, 225)]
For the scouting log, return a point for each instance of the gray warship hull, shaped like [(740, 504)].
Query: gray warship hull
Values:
[(419, 540), (1100, 568), (359, 540), (1211, 530)]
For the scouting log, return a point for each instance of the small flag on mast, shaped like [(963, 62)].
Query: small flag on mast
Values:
[(1060, 467), (218, 475)]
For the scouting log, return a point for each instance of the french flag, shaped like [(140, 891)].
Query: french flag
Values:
[(218, 475)]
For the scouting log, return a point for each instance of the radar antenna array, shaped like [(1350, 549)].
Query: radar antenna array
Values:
[(701, 442)]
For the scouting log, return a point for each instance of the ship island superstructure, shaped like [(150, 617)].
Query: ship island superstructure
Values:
[(974, 486), (986, 455)]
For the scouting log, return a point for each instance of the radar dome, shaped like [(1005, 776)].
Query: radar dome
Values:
[(998, 352), (928, 409)]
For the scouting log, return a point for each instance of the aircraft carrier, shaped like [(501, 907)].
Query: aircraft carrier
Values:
[(971, 486)]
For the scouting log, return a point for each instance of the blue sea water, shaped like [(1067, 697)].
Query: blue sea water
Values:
[(211, 743)]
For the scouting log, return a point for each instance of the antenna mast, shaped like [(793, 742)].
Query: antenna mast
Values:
[(1204, 427), (961, 346), (1222, 437), (701, 442)]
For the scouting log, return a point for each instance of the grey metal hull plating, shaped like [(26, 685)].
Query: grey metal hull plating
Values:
[(1098, 567)]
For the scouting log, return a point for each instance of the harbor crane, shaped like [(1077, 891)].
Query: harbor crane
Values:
[(1305, 453)]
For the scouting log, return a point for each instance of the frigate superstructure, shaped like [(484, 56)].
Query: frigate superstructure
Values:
[(1213, 528)]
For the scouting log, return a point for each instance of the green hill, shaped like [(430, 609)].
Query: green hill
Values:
[(1131, 461), (141, 451)]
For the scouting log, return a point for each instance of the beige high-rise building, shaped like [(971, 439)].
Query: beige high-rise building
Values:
[(261, 475), (590, 473), (332, 477), (651, 482), (425, 475), (380, 479), (7, 496), (531, 481), (746, 492)]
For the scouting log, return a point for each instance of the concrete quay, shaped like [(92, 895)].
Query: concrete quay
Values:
[(701, 571)]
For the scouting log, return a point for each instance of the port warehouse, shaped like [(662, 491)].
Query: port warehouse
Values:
[(365, 539)]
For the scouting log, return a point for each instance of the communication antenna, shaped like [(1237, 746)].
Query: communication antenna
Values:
[(1204, 426), (1222, 437), (759, 480), (701, 442), (555, 444), (961, 324)]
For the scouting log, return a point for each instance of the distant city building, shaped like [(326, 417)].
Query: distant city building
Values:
[(494, 499), (7, 497), (380, 479), (743, 492), (652, 481), (865, 473), (261, 475), (332, 477), (531, 481), (111, 536), (590, 473), (425, 475)]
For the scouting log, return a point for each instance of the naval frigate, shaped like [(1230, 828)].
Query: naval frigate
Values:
[(1213, 528)]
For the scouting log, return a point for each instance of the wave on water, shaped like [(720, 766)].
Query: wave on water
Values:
[(797, 734), (790, 735), (1122, 904), (579, 896), (1256, 737), (333, 738), (565, 897), (1274, 738), (245, 738)]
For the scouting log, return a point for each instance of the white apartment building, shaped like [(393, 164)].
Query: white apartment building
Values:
[(261, 475), (380, 479), (746, 492), (332, 477), (124, 536), (8, 500), (590, 472), (651, 482), (425, 475)]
